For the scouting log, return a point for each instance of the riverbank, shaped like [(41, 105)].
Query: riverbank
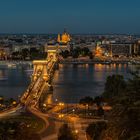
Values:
[(76, 61), (14, 63)]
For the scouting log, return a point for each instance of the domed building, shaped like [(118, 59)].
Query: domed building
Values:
[(98, 50), (64, 38), (62, 43)]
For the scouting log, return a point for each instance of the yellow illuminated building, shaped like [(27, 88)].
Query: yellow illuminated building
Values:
[(64, 38), (98, 51), (59, 38), (2, 54)]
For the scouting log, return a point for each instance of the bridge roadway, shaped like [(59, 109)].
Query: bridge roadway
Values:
[(34, 95)]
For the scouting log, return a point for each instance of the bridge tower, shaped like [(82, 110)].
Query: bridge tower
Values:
[(52, 55), (41, 66), (40, 69)]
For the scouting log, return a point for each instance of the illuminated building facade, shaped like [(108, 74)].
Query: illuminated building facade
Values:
[(4, 53), (98, 50), (62, 43), (64, 38)]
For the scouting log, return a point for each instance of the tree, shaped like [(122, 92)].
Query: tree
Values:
[(10, 130), (65, 53), (85, 51), (76, 52), (16, 55), (65, 133), (94, 130), (133, 85), (87, 101), (91, 55), (34, 53), (24, 53), (123, 120), (114, 86), (1, 99), (98, 100), (100, 111)]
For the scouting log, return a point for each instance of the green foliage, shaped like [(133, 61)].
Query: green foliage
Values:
[(65, 133), (1, 99), (98, 100), (84, 51), (87, 101), (31, 54), (133, 85), (65, 53), (100, 111), (114, 86), (13, 131), (124, 118), (94, 130), (136, 137), (24, 53), (91, 55), (76, 52)]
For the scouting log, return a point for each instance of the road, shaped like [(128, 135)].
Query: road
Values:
[(11, 112)]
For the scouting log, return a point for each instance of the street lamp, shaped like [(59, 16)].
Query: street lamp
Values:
[(44, 105), (61, 104), (14, 102), (76, 131), (73, 111), (61, 116), (86, 107)]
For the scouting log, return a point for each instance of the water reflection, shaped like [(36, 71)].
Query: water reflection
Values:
[(13, 82), (3, 74), (72, 82)]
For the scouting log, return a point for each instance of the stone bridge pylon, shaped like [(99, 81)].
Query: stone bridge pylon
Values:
[(42, 67), (42, 74)]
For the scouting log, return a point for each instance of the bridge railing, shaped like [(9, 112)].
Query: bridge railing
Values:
[(29, 89)]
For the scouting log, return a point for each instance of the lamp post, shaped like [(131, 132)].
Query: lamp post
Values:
[(56, 101), (61, 116), (73, 110), (61, 104), (86, 108)]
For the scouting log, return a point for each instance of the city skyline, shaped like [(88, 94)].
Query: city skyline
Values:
[(69, 70), (87, 17)]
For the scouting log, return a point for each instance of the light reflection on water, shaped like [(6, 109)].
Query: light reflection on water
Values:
[(13, 82), (71, 82)]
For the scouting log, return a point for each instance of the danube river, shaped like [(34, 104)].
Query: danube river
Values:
[(71, 82)]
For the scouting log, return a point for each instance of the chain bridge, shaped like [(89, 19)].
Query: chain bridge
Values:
[(40, 79)]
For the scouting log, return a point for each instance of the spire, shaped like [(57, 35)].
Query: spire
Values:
[(58, 38), (65, 31)]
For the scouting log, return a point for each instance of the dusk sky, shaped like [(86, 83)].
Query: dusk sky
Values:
[(78, 16)]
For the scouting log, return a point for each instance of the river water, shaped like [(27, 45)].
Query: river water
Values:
[(71, 82)]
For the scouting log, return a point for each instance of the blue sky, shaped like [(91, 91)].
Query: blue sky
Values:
[(78, 16)]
